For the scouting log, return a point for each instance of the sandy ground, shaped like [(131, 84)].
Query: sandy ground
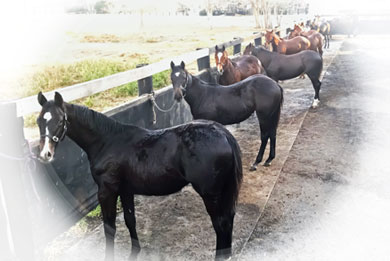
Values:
[(177, 227)]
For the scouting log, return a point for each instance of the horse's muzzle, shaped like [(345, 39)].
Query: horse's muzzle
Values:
[(220, 70), (178, 94)]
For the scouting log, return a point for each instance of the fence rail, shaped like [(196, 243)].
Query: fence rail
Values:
[(29, 104)]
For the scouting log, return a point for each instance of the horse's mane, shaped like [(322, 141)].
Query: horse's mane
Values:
[(97, 120)]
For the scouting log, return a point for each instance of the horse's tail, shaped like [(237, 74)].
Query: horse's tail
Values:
[(278, 111), (234, 181)]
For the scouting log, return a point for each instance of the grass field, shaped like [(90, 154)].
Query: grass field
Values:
[(70, 49)]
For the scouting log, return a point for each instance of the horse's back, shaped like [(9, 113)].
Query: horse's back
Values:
[(248, 65), (284, 67), (295, 45)]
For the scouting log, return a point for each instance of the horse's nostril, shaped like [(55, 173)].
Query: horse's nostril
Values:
[(48, 154)]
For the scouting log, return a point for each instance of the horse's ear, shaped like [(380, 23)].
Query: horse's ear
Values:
[(58, 99), (172, 65), (182, 65), (223, 48), (41, 99), (216, 48)]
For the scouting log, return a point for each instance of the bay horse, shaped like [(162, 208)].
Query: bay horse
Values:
[(236, 69), (284, 46), (324, 29), (315, 38), (233, 103), (284, 67), (127, 160)]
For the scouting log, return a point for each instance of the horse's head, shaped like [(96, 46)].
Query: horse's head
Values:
[(221, 58), (52, 123), (269, 36), (179, 78), (248, 49), (298, 28), (296, 32)]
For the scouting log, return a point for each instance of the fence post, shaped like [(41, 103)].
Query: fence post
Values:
[(203, 62), (16, 241), (237, 47), (258, 41), (145, 85)]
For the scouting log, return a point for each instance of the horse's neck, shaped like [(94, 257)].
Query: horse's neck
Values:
[(195, 92), (228, 70), (276, 40), (91, 136), (265, 57), (274, 46)]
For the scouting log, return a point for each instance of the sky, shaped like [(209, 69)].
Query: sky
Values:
[(321, 6)]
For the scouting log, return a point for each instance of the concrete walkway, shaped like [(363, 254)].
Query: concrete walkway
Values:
[(332, 199)]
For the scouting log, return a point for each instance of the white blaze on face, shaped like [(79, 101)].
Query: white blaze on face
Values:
[(177, 74), (219, 65), (219, 55), (47, 116)]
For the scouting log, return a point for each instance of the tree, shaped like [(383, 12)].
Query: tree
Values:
[(101, 7), (209, 9), (262, 5), (256, 12)]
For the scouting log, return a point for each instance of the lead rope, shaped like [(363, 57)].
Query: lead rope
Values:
[(152, 97), (28, 166)]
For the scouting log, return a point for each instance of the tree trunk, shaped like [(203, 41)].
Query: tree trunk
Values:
[(255, 8), (265, 10), (209, 13)]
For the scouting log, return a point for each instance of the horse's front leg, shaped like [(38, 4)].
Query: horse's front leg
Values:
[(107, 200), (127, 200)]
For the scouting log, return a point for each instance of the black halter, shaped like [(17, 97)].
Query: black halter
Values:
[(58, 138), (188, 82)]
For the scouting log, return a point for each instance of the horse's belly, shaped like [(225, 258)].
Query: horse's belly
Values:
[(288, 71), (234, 114), (156, 185)]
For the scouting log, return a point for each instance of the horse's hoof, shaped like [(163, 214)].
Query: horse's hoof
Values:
[(267, 164), (315, 104), (253, 168)]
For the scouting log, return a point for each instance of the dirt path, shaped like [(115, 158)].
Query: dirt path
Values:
[(177, 227), (331, 201)]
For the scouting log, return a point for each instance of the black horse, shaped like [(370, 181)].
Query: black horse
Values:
[(233, 103), (284, 67), (127, 160)]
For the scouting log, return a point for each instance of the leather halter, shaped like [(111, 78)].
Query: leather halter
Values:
[(188, 82), (59, 138)]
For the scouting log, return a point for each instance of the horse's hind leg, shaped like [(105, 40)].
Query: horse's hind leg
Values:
[(272, 148), (264, 140), (317, 86), (127, 200), (222, 217)]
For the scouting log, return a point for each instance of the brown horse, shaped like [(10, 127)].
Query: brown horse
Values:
[(315, 38), (324, 29), (283, 46), (237, 69)]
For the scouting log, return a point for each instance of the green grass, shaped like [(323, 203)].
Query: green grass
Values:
[(58, 76)]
